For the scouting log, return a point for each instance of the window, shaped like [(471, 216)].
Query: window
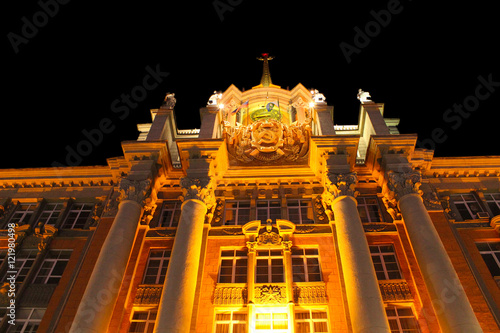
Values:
[(50, 213), (156, 268), (490, 251), (52, 268), (170, 214), (22, 213), (233, 266), (368, 209), (467, 206), (271, 321), (385, 262), (237, 212), (231, 322), (27, 320), (300, 211), (493, 201), (402, 320), (78, 215), (24, 261), (311, 321), (268, 209), (143, 321), (305, 265), (269, 266)]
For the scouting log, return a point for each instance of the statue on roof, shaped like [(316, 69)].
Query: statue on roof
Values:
[(364, 96), (169, 101), (317, 96), (214, 99)]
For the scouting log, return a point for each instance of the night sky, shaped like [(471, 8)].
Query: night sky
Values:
[(70, 67)]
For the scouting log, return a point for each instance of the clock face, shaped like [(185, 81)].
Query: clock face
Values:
[(263, 113)]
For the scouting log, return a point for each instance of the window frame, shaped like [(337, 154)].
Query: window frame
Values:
[(311, 320), (164, 260), (236, 211), (305, 263), (26, 321), (23, 261), (300, 208), (149, 321), (362, 204), (383, 262), (51, 211), (54, 262), (493, 253), (231, 322), (235, 258), (268, 209), (398, 318), (492, 201), (269, 258), (79, 208), (172, 223), (467, 204), (25, 213)]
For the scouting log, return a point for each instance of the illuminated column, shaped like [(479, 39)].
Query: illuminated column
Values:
[(176, 305), (366, 307), (449, 300), (251, 245), (96, 307), (287, 265)]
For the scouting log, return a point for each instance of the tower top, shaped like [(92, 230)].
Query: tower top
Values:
[(265, 80)]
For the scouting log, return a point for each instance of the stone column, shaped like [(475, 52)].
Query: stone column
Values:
[(449, 300), (366, 307), (176, 305), (96, 307)]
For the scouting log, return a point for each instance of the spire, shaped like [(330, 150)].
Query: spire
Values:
[(265, 80)]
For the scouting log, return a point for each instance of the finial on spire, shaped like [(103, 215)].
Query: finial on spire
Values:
[(265, 80)]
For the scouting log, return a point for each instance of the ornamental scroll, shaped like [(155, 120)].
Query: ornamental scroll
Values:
[(268, 141)]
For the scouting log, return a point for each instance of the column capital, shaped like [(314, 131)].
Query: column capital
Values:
[(198, 189), (135, 190), (403, 183), (339, 184)]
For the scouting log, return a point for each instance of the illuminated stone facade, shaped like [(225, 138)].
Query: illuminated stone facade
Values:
[(266, 219)]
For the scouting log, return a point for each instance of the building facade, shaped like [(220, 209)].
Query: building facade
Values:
[(266, 219)]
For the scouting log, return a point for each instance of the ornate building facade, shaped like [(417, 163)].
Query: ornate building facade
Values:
[(266, 219)]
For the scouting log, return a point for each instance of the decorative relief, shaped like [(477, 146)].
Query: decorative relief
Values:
[(395, 291), (148, 295), (198, 189), (403, 183), (270, 294), (339, 184), (136, 190), (310, 293), (224, 295), (320, 211), (218, 212), (269, 235), (268, 141)]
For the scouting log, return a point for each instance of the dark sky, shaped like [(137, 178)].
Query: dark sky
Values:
[(68, 65)]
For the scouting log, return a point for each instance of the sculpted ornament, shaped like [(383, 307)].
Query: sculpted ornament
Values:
[(403, 183), (136, 190), (339, 184), (198, 189), (269, 141)]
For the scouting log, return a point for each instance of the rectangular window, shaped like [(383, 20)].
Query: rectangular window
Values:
[(143, 321), (52, 268), (78, 215), (23, 264), (237, 212), (271, 321), (156, 268), (493, 201), (269, 266), (23, 213), (170, 213), (490, 251), (402, 320), (233, 266), (231, 322), (50, 214), (300, 211), (305, 265), (311, 321), (385, 262), (467, 206), (27, 320), (368, 209), (268, 209)]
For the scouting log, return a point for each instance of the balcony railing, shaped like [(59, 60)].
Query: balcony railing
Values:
[(148, 294), (230, 294), (309, 293), (395, 290)]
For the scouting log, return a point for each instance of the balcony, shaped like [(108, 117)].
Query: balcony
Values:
[(395, 290), (148, 294), (309, 293), (230, 294)]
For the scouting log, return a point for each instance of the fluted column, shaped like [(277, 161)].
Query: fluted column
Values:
[(176, 305), (96, 307), (449, 300), (366, 307)]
